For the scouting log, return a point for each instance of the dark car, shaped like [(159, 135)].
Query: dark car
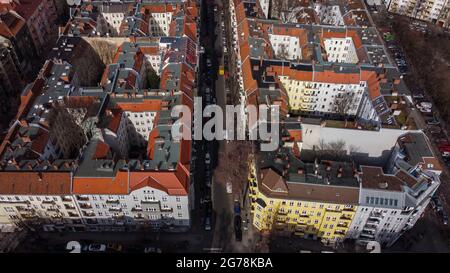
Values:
[(433, 121), (237, 227), (239, 235), (237, 208)]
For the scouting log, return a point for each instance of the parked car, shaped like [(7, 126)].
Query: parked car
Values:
[(115, 247), (207, 223), (208, 215), (237, 227), (207, 158), (445, 218), (433, 121), (438, 202), (152, 249), (239, 235), (237, 208), (425, 104), (97, 248), (229, 187)]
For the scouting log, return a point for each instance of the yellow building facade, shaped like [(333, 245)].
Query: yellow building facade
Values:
[(310, 219)]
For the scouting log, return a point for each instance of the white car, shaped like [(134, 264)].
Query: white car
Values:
[(97, 248), (425, 104), (229, 187)]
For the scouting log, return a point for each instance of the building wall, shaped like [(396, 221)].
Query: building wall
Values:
[(47, 210), (159, 23), (320, 98), (112, 21), (139, 125), (155, 62), (145, 206), (386, 222), (427, 10), (341, 50), (119, 140), (41, 22), (329, 15), (285, 46), (265, 5), (373, 143), (328, 222)]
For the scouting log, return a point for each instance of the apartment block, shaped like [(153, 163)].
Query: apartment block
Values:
[(315, 70), (39, 17), (432, 11), (10, 80), (103, 158), (317, 198)]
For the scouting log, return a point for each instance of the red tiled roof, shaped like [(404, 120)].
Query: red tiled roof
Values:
[(44, 183)]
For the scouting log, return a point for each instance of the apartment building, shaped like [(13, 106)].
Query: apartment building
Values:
[(431, 11), (336, 200), (322, 209), (323, 71), (102, 158), (10, 80), (392, 202), (13, 27), (39, 17)]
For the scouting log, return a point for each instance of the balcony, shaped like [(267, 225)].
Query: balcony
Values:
[(166, 209), (349, 208), (139, 216), (113, 201), (85, 206), (375, 219), (369, 230), (82, 198), (150, 201), (69, 206), (119, 215), (53, 208), (29, 216), (57, 216), (66, 199), (345, 217), (342, 224), (367, 236), (115, 208), (89, 213), (47, 201), (282, 212), (73, 214), (339, 232), (25, 209)]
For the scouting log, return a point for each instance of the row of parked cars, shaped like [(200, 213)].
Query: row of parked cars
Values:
[(436, 204), (82, 247), (399, 57)]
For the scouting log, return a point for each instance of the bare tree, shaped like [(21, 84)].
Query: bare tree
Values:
[(282, 52), (105, 50), (343, 102), (334, 149)]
